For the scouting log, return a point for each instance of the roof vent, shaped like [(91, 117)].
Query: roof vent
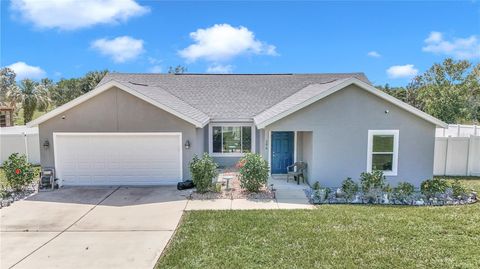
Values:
[(136, 83)]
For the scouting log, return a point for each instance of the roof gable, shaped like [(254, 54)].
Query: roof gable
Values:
[(313, 93), (155, 96)]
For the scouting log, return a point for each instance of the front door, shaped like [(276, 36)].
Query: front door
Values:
[(282, 151)]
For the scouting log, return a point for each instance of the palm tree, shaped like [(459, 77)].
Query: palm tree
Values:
[(31, 95)]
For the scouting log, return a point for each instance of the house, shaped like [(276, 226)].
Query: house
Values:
[(143, 129), (6, 116)]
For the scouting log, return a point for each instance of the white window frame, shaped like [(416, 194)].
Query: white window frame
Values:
[(396, 135), (219, 154)]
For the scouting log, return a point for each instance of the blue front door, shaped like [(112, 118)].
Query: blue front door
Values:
[(282, 151)]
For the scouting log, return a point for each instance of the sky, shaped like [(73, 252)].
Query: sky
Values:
[(389, 41)]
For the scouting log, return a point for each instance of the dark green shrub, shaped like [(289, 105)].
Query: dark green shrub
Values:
[(403, 191), (458, 189), (350, 188), (253, 172), (18, 171), (372, 185), (203, 171), (432, 187), (316, 185)]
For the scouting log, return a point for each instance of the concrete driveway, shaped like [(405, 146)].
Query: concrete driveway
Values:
[(120, 227)]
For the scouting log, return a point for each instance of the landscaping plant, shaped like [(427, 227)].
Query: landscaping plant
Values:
[(203, 171), (316, 185), (372, 185), (403, 191), (18, 171), (458, 189), (432, 187), (253, 172), (350, 188)]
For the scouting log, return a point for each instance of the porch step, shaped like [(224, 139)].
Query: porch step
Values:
[(290, 194)]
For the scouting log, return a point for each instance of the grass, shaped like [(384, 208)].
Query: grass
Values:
[(331, 236)]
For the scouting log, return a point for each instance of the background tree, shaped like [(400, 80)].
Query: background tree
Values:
[(7, 81), (30, 94), (179, 69)]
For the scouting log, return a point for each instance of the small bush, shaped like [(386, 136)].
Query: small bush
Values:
[(432, 187), (253, 172), (316, 185), (350, 188), (203, 171), (372, 184), (18, 171), (458, 189), (403, 191)]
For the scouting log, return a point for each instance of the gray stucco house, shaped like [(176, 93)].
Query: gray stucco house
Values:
[(143, 129)]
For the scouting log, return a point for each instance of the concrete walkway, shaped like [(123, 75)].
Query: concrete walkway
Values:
[(288, 195)]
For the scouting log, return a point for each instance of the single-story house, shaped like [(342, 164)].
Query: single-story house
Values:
[(144, 129)]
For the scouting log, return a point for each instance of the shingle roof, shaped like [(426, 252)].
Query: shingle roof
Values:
[(224, 96)]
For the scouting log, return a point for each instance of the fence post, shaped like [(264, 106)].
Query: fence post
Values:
[(446, 158), (25, 140), (469, 152)]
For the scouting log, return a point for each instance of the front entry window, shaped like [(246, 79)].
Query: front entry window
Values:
[(231, 139), (383, 151)]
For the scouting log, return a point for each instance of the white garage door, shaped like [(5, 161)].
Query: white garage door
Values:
[(118, 158)]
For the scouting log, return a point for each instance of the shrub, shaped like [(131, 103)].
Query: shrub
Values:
[(458, 189), (350, 188), (372, 184), (203, 171), (403, 191), (316, 185), (18, 171), (253, 172), (432, 187)]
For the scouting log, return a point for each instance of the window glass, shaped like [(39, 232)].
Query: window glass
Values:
[(217, 139), (232, 139), (383, 143), (382, 162), (246, 139)]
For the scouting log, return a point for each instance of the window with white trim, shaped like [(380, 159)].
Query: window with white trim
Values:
[(383, 151), (231, 139)]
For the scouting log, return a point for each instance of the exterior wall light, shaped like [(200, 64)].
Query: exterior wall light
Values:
[(46, 144), (187, 144)]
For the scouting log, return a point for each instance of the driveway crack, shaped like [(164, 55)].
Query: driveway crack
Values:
[(64, 230)]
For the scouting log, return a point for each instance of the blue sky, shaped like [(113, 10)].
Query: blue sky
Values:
[(389, 41)]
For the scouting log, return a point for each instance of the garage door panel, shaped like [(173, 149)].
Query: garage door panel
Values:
[(118, 158)]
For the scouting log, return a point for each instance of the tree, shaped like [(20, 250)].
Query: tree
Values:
[(7, 81), (446, 90), (179, 69), (91, 80), (30, 94)]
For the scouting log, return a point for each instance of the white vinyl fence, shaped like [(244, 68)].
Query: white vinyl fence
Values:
[(19, 139)]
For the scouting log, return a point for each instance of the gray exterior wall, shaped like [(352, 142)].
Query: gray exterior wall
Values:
[(118, 111), (340, 124)]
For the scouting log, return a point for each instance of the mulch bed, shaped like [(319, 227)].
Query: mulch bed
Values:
[(234, 191)]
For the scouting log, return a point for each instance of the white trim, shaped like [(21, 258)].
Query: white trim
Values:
[(236, 124), (295, 146), (57, 111), (396, 139), (348, 82), (269, 152), (55, 134)]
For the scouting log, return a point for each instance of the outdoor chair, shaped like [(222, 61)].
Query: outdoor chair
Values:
[(296, 171)]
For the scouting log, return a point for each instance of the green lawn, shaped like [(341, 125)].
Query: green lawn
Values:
[(331, 236)]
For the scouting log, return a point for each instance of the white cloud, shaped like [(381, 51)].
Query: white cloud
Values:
[(120, 49), (23, 70), (223, 42), (402, 71), (75, 14), (459, 48), (220, 69), (155, 69), (374, 54)]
